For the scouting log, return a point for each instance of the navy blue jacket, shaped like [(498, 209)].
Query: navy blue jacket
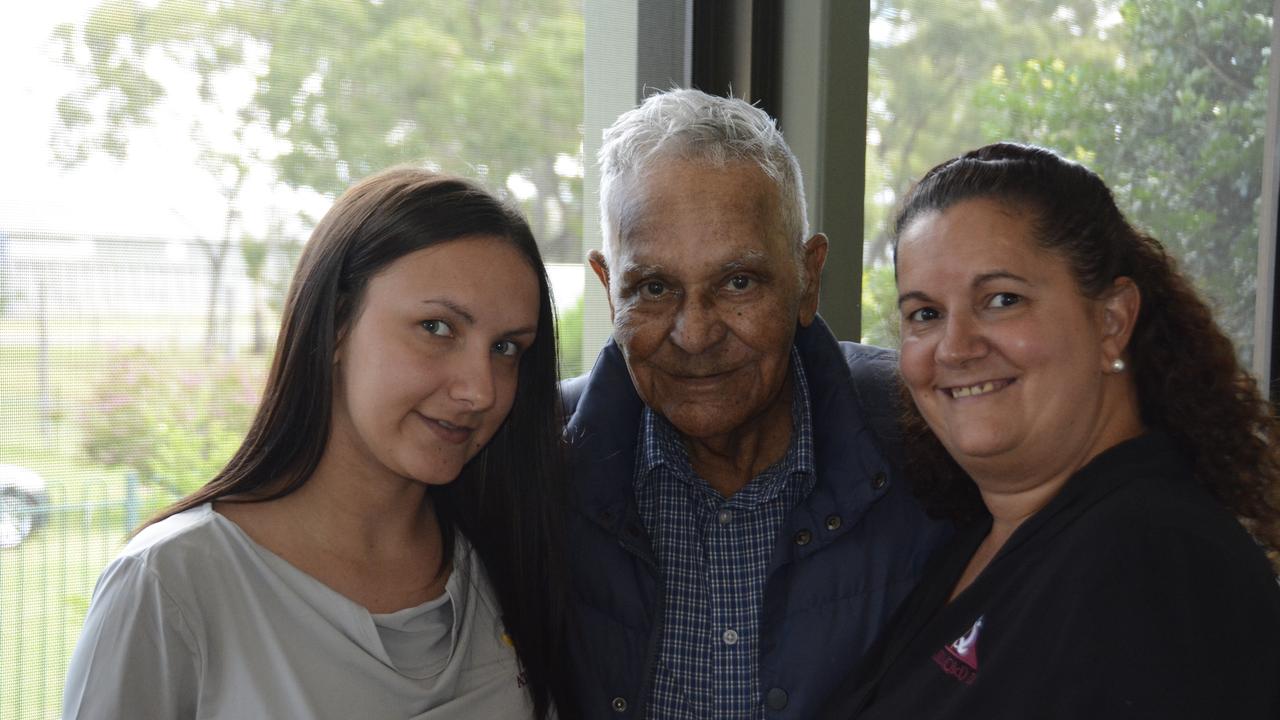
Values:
[(847, 556)]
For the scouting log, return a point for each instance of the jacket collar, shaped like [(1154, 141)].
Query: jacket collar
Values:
[(604, 427)]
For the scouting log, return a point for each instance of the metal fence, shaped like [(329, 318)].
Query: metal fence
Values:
[(45, 586)]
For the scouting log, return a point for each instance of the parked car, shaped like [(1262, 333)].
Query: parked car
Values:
[(23, 504)]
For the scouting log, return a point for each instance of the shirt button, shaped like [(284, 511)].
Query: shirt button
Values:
[(878, 480), (776, 699), (619, 704), (725, 517), (803, 537), (730, 637), (834, 522)]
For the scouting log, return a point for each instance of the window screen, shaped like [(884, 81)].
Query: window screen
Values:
[(165, 161), (1166, 99)]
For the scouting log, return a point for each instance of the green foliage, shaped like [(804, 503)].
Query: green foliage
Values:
[(254, 254), (45, 587), (486, 89), (175, 427), (879, 306), (569, 335), (1168, 105)]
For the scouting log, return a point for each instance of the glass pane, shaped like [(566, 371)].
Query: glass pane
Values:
[(165, 161), (1166, 99)]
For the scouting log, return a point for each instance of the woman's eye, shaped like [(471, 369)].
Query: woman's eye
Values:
[(740, 282), (506, 348), (924, 314), (1000, 300), (437, 327)]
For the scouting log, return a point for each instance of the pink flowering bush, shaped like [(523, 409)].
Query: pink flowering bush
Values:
[(173, 422)]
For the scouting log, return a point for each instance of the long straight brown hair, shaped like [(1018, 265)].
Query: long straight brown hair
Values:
[(508, 500)]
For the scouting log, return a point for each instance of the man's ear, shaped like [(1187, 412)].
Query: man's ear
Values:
[(600, 267), (1119, 310), (814, 257)]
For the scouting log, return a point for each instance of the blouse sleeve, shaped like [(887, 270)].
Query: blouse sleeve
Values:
[(136, 657)]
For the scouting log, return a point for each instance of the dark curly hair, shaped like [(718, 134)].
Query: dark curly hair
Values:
[(1190, 383)]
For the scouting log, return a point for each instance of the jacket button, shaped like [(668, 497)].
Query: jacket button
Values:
[(834, 522), (776, 699), (879, 480), (803, 537), (619, 704)]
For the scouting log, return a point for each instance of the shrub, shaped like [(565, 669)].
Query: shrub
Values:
[(175, 426)]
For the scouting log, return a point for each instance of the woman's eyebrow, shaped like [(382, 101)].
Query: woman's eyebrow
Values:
[(453, 306), (978, 281), (987, 277), (913, 295)]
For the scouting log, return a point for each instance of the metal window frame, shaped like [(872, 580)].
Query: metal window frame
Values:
[(630, 49), (1266, 332), (797, 61)]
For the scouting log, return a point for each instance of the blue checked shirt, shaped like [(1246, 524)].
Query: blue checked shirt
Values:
[(713, 554)]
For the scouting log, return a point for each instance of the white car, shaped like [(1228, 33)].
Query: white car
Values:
[(23, 504)]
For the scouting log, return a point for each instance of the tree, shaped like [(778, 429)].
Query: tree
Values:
[(175, 428), (927, 59), (1165, 99), (489, 88), (6, 292), (1177, 130), (123, 39), (254, 254)]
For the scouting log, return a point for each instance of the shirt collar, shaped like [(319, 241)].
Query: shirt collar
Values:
[(660, 444)]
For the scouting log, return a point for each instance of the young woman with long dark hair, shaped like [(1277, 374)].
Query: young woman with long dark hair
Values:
[(385, 542)]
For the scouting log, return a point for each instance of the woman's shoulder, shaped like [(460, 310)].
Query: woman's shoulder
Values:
[(182, 555), (1160, 537), (174, 539), (170, 530), (1158, 511)]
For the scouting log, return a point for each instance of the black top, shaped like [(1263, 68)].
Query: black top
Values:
[(1132, 594)]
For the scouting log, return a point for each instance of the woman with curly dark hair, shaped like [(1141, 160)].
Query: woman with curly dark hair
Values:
[(1077, 410)]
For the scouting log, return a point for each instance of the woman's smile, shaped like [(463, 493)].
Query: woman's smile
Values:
[(978, 388)]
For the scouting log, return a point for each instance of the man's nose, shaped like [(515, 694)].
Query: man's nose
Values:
[(697, 325), (963, 340)]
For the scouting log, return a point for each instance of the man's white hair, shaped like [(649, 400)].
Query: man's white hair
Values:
[(691, 125)]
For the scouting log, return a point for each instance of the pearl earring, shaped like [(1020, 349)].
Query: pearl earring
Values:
[(1117, 365)]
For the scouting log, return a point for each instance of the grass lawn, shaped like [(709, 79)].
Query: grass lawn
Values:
[(46, 405), (45, 586), (46, 583)]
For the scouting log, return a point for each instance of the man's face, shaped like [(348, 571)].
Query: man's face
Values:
[(706, 290)]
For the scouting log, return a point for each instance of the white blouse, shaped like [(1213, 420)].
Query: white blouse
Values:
[(196, 620)]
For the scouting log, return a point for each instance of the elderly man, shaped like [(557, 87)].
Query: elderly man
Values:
[(739, 532)]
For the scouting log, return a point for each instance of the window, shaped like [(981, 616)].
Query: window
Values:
[(1166, 99), (165, 161)]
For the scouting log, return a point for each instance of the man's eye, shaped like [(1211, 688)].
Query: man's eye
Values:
[(653, 288), (740, 282), (924, 314), (1004, 299), (437, 327)]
